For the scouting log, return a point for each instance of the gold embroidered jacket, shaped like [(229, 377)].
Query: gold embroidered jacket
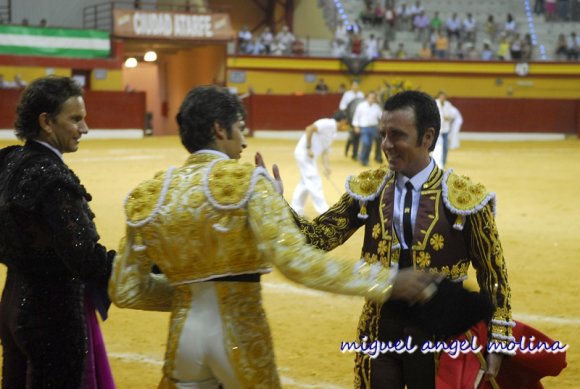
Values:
[(215, 217), (455, 227)]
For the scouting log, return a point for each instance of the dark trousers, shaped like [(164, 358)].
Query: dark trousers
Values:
[(353, 140), (396, 370), (44, 339)]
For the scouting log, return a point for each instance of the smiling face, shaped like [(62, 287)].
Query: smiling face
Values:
[(65, 130), (405, 153)]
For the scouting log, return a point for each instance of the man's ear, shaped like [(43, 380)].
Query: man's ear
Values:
[(429, 137), (44, 123), (219, 131)]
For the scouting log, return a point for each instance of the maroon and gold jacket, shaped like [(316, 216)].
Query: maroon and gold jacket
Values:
[(454, 228)]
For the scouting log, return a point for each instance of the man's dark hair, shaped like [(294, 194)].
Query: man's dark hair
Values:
[(202, 107), (46, 94), (339, 115), (425, 109)]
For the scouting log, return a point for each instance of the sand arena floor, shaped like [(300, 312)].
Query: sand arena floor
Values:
[(538, 218)]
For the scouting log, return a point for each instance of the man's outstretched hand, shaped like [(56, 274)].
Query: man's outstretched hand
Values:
[(259, 160)]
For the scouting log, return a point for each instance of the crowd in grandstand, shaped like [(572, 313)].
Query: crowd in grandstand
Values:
[(373, 34)]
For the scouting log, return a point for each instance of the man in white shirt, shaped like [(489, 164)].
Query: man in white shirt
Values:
[(366, 122), (448, 115), (315, 142), (349, 97), (453, 26)]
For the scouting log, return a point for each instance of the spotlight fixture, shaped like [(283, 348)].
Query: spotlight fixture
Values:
[(131, 62), (150, 56)]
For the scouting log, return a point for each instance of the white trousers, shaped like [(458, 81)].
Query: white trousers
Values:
[(219, 335), (201, 360), (310, 184)]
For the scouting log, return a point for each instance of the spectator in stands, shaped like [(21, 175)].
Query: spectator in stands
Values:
[(255, 47), (244, 38), (286, 38), (356, 44), (563, 10), (510, 25), (486, 52), (527, 48), (436, 23), (453, 26), (341, 88), (425, 51), (401, 53), (43, 23), (490, 28), (550, 9), (421, 25), (266, 38), (539, 7), (137, 4), (379, 14), (503, 48), (469, 27), (24, 22), (459, 52), (386, 50), (441, 45), (372, 47), (278, 47), (341, 32), (561, 47), (516, 47), (297, 47), (390, 22), (338, 48), (415, 10), (472, 53), (403, 16), (321, 87), (572, 47)]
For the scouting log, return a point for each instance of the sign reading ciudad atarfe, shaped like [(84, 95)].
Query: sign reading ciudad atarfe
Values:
[(171, 25)]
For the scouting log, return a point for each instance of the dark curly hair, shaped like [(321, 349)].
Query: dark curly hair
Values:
[(425, 109), (46, 94), (202, 107)]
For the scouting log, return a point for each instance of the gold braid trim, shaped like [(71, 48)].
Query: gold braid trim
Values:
[(366, 186)]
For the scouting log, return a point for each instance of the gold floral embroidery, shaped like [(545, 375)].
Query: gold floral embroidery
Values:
[(382, 249), (423, 259), (370, 258), (437, 241), (376, 230)]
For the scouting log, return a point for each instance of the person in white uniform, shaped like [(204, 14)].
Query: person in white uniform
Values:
[(451, 121), (348, 103), (315, 142), (366, 122)]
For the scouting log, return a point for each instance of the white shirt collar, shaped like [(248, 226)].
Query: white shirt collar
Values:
[(418, 179), (215, 152), (50, 147)]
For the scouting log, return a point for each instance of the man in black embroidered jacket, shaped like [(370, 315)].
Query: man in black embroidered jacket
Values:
[(50, 245), (446, 225)]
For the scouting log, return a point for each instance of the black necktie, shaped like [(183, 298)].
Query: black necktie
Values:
[(407, 228)]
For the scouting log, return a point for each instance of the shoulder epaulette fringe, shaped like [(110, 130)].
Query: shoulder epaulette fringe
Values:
[(463, 197), (235, 191), (366, 187), (160, 200)]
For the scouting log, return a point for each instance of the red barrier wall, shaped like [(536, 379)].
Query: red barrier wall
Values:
[(105, 110), (287, 112)]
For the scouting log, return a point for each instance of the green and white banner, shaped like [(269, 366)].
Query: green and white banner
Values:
[(54, 42)]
